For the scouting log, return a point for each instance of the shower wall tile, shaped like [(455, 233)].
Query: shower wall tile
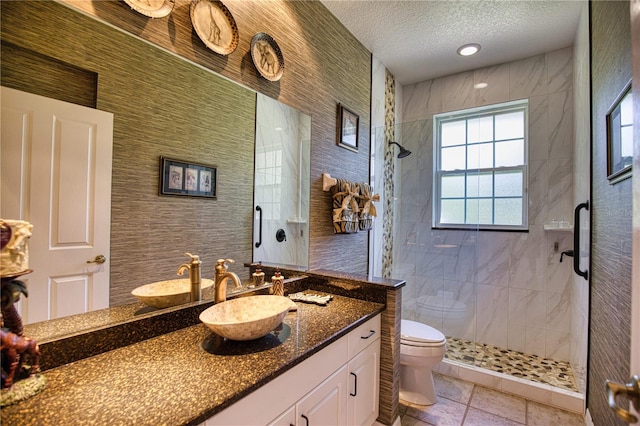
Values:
[(516, 338), (528, 77), (559, 274), (559, 198), (422, 99), (496, 91), (558, 344), (538, 190), (535, 340), (491, 317), (561, 125), (459, 92), (519, 299), (527, 262), (560, 70), (494, 258), (539, 127)]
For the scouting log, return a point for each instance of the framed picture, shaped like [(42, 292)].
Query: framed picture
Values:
[(185, 178), (347, 128), (620, 137)]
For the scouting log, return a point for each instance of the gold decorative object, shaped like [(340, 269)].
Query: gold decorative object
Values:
[(152, 8), (215, 25), (267, 56)]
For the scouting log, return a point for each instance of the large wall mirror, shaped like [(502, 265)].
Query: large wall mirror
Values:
[(164, 105)]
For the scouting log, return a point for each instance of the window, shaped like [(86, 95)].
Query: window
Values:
[(480, 170)]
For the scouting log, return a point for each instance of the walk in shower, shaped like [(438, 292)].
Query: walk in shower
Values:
[(504, 299)]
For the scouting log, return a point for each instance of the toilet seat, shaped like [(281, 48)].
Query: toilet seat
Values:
[(417, 334)]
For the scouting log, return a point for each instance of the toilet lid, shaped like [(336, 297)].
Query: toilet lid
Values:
[(413, 331)]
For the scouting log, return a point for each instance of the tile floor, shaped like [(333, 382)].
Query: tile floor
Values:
[(516, 364), (463, 403)]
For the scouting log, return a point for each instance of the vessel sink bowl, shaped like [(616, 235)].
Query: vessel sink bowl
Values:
[(164, 294), (246, 318)]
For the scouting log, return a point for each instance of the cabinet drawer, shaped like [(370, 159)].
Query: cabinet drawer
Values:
[(364, 335)]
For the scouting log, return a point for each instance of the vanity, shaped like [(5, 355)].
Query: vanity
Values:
[(320, 366)]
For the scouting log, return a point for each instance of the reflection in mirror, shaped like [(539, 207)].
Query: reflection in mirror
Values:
[(620, 137), (152, 117), (283, 139)]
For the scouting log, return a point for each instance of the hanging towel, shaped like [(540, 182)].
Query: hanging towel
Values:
[(345, 207), (367, 210)]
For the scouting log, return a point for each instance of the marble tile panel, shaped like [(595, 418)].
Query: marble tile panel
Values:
[(519, 299), (560, 70), (559, 275), (494, 258), (476, 417), (516, 338), (455, 390), (560, 198), (422, 99), (492, 315), (528, 263), (536, 310), (497, 78), (544, 415), (458, 92), (538, 189), (539, 127), (561, 124), (528, 77), (535, 340), (444, 412), (558, 316), (557, 344)]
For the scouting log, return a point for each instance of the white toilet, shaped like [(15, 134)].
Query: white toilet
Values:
[(421, 348)]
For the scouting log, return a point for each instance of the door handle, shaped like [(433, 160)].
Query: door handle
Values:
[(99, 259), (631, 390), (259, 243), (576, 240)]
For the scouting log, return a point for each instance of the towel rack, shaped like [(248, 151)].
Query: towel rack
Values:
[(328, 182)]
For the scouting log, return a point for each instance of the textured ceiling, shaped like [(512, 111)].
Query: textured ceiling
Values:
[(417, 39)]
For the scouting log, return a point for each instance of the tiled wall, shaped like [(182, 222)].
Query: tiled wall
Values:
[(502, 288)]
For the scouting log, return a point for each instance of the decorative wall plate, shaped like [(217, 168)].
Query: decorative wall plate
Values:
[(152, 8), (267, 56), (215, 25)]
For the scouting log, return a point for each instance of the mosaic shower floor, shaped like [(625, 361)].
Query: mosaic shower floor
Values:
[(517, 364)]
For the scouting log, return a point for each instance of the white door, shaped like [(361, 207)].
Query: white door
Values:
[(56, 173)]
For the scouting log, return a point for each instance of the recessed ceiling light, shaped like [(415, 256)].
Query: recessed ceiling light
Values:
[(468, 49), (480, 85)]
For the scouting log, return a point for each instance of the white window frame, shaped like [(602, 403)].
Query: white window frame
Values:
[(491, 110)]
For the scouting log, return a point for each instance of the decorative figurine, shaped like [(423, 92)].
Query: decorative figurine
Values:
[(17, 385)]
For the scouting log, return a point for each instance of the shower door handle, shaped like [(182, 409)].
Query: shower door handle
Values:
[(259, 243), (576, 240)]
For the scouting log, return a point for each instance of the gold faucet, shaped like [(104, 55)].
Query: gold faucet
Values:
[(220, 280), (194, 275)]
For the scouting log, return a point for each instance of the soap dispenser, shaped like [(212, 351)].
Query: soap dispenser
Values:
[(258, 277), (277, 284)]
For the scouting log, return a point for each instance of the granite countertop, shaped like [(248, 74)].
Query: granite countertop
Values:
[(185, 376)]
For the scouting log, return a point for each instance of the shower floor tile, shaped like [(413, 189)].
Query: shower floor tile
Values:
[(517, 364)]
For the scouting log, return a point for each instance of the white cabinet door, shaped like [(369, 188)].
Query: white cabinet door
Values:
[(364, 380), (326, 404), (288, 418), (56, 174)]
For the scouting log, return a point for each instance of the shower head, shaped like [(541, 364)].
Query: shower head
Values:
[(403, 152)]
